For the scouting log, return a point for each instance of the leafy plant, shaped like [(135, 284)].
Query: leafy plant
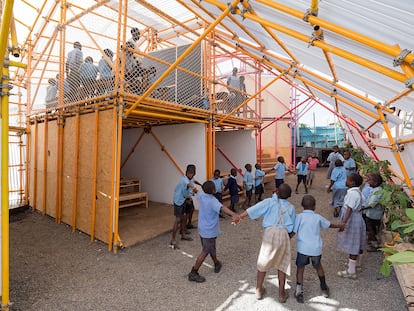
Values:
[(396, 258), (399, 257)]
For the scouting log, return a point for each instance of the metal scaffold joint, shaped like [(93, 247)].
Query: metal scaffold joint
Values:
[(397, 147), (308, 13), (317, 34), (409, 83), (233, 9), (400, 58)]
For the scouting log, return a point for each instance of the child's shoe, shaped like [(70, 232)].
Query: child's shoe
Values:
[(260, 293), (217, 267), (347, 275), (284, 297), (193, 276), (325, 292), (299, 297)]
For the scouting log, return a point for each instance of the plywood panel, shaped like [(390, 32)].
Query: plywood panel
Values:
[(69, 147), (51, 173), (32, 165), (85, 180), (105, 159), (40, 166)]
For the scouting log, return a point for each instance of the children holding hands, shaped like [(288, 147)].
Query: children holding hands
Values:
[(309, 244), (278, 220), (209, 228)]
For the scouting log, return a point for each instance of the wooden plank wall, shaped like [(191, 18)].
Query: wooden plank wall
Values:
[(85, 178)]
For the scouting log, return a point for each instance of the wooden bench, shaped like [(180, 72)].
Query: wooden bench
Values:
[(130, 193)]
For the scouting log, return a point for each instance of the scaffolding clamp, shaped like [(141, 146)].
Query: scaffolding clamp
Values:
[(400, 58), (409, 83), (233, 9), (397, 147), (317, 35), (308, 13)]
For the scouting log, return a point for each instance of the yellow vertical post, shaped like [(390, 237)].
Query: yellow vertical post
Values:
[(117, 240), (75, 171), (35, 147), (45, 146), (26, 165), (5, 189), (5, 243), (112, 201), (314, 7), (94, 169)]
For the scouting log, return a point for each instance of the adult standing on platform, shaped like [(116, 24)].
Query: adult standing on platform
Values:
[(73, 63)]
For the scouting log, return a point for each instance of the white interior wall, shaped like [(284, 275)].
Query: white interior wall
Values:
[(185, 143), (239, 146)]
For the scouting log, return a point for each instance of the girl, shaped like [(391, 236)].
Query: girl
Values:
[(352, 238)]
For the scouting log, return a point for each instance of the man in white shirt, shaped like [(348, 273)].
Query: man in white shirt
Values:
[(73, 63)]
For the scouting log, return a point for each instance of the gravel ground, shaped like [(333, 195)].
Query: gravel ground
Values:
[(53, 269)]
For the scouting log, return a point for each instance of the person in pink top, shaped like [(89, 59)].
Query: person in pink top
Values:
[(313, 164)]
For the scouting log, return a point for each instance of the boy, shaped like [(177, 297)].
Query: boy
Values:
[(280, 169), (258, 182), (234, 188), (302, 172), (278, 220), (248, 185), (209, 229), (183, 204), (218, 182), (309, 244)]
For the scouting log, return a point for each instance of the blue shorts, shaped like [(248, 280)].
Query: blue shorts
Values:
[(209, 245), (259, 189), (303, 260), (184, 209)]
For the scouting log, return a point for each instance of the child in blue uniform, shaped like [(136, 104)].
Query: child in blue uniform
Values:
[(352, 238), (183, 204), (338, 187), (258, 182), (302, 173), (309, 244), (248, 183), (278, 220), (209, 228), (218, 182)]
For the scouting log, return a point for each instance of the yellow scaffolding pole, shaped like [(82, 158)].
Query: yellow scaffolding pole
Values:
[(75, 171), (5, 240), (94, 172), (322, 45), (395, 149), (184, 55), (391, 50)]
